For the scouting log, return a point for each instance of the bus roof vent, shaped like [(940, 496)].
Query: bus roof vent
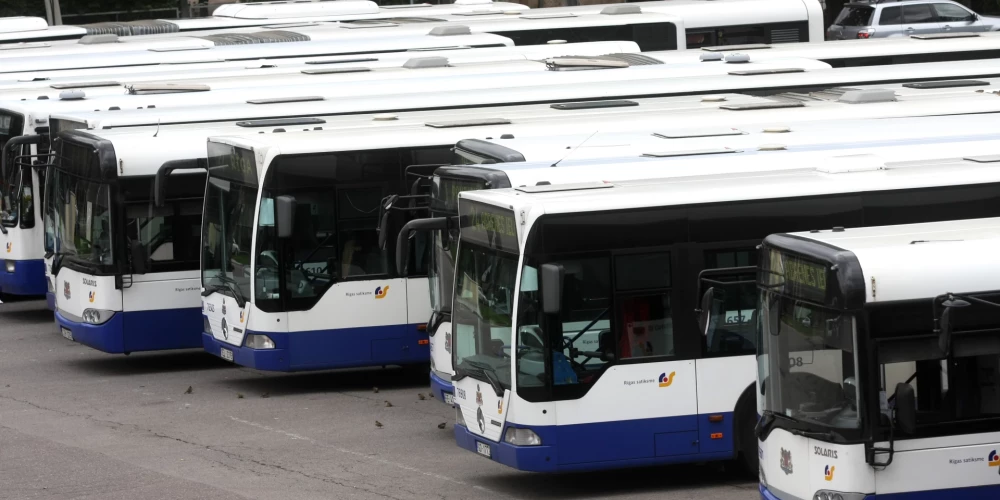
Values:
[(276, 36), (621, 9), (633, 59), (577, 63), (710, 56), (771, 71), (700, 132), (83, 85), (939, 36), (548, 16), (450, 30), (868, 96), (617, 103), (369, 23), (330, 71), (945, 84), (405, 6), (983, 159), (469, 123), (737, 58), (165, 88), (851, 163), (473, 13), (746, 46), (692, 152), (144, 27), (72, 95), (555, 188), (283, 100), (98, 39), (289, 25), (426, 62), (344, 61), (751, 106), (274, 122)]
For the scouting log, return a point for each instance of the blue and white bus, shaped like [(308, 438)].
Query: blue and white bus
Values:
[(877, 362), (576, 340)]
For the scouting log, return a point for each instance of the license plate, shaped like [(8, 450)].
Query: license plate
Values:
[(449, 398), (66, 332), (226, 354), (483, 449)]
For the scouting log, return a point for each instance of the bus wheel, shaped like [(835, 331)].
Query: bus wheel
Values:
[(745, 421)]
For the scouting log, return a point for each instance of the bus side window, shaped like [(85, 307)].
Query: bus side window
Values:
[(732, 320), (642, 283)]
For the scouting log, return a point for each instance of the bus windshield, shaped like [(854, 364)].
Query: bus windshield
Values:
[(81, 213), (485, 275), (227, 228)]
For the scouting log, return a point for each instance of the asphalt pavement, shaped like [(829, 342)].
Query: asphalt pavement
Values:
[(78, 423)]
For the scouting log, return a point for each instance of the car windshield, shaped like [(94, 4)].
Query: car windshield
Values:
[(227, 228), (855, 15), (807, 364)]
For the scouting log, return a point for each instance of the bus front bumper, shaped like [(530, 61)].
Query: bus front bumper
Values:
[(137, 331), (526, 458), (442, 389), (23, 277)]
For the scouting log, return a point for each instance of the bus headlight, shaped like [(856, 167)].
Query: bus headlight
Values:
[(459, 419), (97, 316), (206, 326), (522, 437), (837, 495), (11, 265), (255, 341)]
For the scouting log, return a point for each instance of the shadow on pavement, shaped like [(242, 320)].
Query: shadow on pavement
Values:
[(148, 363), (287, 384), (26, 312), (599, 484)]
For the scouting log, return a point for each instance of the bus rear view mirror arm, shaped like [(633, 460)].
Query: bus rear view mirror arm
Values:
[(284, 216), (403, 238), (160, 181)]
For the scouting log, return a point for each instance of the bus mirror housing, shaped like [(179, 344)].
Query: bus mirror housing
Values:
[(284, 216), (906, 409), (945, 326), (705, 312), (552, 286), (138, 257)]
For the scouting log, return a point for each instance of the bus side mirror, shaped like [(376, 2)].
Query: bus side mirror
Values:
[(284, 216), (138, 255), (945, 326), (552, 286), (906, 409), (705, 312)]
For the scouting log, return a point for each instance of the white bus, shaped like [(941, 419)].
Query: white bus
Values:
[(241, 15), (652, 31), (877, 361), (334, 260), (575, 342), (87, 79)]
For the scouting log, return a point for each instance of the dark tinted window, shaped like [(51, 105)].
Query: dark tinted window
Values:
[(855, 15), (169, 235), (651, 36), (947, 12), (891, 15), (919, 13), (642, 271)]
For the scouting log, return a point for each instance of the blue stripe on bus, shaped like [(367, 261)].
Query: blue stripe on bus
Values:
[(136, 331), (328, 349), (989, 492), (440, 387), (28, 278), (609, 445)]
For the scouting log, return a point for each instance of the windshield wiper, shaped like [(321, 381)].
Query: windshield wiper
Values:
[(768, 418), (234, 287), (491, 376)]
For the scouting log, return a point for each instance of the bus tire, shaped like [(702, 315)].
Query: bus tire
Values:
[(744, 423)]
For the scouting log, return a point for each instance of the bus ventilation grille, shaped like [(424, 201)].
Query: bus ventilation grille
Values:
[(148, 27), (256, 38), (790, 35)]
